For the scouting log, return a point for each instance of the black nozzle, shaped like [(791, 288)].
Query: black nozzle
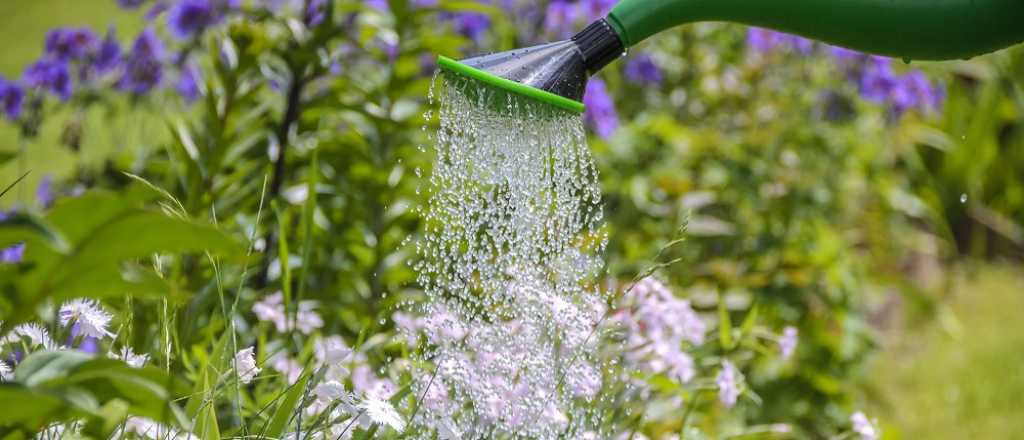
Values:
[(599, 44)]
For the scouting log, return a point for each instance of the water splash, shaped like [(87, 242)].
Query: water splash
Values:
[(508, 260)]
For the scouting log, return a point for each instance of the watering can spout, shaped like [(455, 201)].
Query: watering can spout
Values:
[(560, 68), (557, 72)]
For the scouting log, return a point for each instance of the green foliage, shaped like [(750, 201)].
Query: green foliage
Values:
[(64, 386), (91, 246)]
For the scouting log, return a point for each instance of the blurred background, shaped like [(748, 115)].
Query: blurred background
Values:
[(876, 205)]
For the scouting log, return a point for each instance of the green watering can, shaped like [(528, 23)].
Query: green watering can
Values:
[(556, 73)]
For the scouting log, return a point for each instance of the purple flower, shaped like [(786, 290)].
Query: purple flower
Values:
[(878, 83), (560, 18), (13, 254), (130, 4), (844, 55), (877, 80), (728, 384), (788, 341), (143, 69), (424, 3), (600, 113), (595, 9), (190, 17), (109, 54), (158, 8), (472, 24), (88, 343), (71, 43), (764, 41), (316, 11), (11, 97), (761, 40), (641, 69), (51, 75), (913, 90), (44, 192), (380, 5), (188, 83), (428, 64)]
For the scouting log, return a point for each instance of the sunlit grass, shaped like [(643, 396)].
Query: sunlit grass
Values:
[(962, 378)]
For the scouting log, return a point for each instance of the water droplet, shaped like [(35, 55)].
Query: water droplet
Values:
[(963, 198)]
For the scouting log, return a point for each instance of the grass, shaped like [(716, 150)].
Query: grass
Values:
[(961, 377)]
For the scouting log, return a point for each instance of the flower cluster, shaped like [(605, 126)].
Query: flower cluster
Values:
[(600, 108), (85, 323), (12, 95), (874, 76), (271, 309), (765, 41), (879, 83), (189, 18), (563, 17), (641, 69), (77, 58), (360, 405), (657, 326), (502, 369)]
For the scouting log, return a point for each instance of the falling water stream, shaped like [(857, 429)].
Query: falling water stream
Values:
[(510, 253)]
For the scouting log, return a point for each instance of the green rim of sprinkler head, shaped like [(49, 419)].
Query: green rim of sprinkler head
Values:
[(509, 85)]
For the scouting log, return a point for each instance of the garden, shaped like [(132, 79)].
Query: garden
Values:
[(283, 219)]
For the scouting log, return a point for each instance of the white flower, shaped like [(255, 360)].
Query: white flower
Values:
[(408, 325), (245, 365), (271, 309), (446, 430), (680, 366), (55, 430), (306, 319), (36, 334), (728, 384), (328, 393), (287, 366), (381, 412), (92, 320), (787, 342), (6, 374), (129, 357), (863, 427), (150, 429), (331, 350)]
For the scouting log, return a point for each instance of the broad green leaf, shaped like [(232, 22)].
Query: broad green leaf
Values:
[(47, 366), (77, 217), (31, 405)]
